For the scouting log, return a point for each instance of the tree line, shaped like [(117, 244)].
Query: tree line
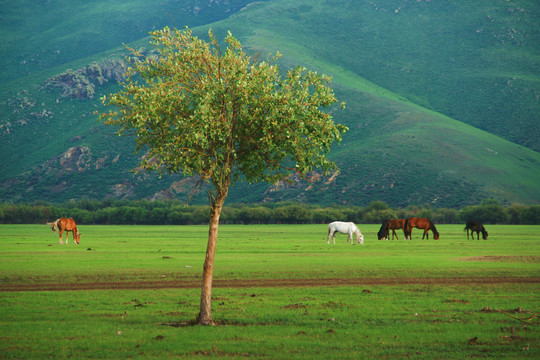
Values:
[(140, 212)]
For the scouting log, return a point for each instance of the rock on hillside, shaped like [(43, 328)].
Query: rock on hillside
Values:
[(81, 83)]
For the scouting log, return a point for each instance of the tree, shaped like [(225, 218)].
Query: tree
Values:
[(489, 211), (224, 117)]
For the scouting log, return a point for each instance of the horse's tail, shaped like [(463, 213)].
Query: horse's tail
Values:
[(53, 225), (406, 228)]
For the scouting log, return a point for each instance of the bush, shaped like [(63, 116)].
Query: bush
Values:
[(109, 212), (488, 212)]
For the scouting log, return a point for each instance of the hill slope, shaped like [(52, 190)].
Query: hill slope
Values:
[(41, 35), (411, 82)]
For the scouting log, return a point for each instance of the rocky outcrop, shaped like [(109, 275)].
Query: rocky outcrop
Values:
[(295, 182), (123, 190), (81, 83), (180, 189), (76, 159)]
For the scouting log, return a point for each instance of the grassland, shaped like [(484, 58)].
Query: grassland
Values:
[(280, 292)]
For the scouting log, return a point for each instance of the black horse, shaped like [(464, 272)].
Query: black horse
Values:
[(392, 224), (383, 231), (478, 227)]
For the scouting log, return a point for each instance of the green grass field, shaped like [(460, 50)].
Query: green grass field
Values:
[(280, 292)]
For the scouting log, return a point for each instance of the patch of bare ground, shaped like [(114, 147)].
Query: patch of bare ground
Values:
[(249, 283), (494, 258)]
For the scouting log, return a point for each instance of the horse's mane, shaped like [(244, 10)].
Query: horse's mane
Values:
[(433, 228)]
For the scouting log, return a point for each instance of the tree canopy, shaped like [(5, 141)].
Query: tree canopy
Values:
[(223, 116)]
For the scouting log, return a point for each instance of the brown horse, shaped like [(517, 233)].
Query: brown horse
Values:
[(420, 223), (478, 227), (66, 225), (392, 224)]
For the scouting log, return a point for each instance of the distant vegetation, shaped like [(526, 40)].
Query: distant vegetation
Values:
[(123, 212)]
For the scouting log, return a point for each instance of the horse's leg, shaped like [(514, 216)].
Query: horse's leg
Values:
[(394, 233), (60, 238), (67, 236), (331, 234)]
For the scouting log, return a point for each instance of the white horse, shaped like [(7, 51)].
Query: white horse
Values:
[(344, 228)]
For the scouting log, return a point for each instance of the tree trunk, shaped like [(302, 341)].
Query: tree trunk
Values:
[(205, 314)]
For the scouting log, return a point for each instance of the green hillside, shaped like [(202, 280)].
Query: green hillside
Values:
[(41, 35), (477, 63), (442, 105)]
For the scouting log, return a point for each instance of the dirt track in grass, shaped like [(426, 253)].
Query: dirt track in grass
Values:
[(250, 283)]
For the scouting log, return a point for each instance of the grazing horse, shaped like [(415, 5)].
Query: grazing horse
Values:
[(344, 228), (478, 227), (420, 223), (392, 224), (383, 231), (66, 225)]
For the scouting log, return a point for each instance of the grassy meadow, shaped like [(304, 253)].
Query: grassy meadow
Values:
[(280, 292)]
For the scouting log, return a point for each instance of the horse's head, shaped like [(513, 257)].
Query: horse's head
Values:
[(484, 234), (77, 237), (359, 237), (435, 235), (383, 231)]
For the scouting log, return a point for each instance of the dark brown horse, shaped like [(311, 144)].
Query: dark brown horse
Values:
[(420, 223), (478, 227), (66, 225), (392, 224)]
